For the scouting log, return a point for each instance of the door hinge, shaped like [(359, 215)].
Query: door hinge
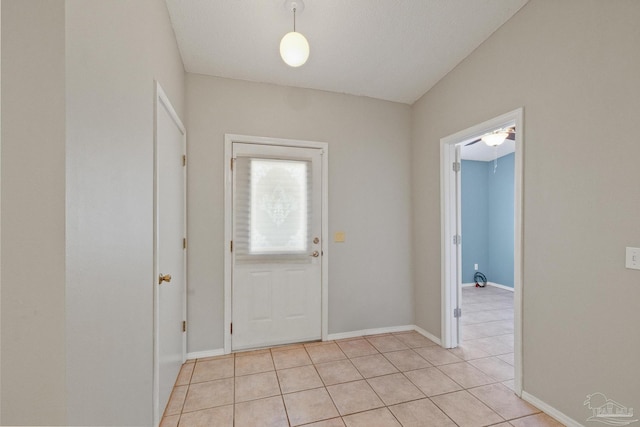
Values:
[(184, 243), (457, 312), (184, 326), (232, 159), (456, 166), (231, 246), (231, 328), (457, 239), (184, 160)]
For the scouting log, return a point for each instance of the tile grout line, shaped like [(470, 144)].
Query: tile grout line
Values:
[(481, 402), (193, 370), (284, 405), (325, 385)]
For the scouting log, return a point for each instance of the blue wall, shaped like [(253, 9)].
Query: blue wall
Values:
[(475, 218), (487, 219)]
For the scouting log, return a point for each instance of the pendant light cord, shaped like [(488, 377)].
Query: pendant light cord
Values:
[(294, 19)]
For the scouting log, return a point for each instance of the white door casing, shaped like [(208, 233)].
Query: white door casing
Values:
[(169, 250), (450, 226), (458, 247), (275, 294)]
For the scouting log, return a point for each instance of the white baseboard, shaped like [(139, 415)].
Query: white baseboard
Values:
[(338, 336), (550, 410), (497, 285), (206, 353), (374, 331), (426, 334)]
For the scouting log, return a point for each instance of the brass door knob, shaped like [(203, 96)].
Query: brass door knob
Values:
[(315, 254), (164, 278)]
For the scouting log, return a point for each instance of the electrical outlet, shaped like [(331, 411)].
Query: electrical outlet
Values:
[(475, 267), (633, 258)]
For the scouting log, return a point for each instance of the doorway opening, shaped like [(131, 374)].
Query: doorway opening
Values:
[(477, 320), (276, 226)]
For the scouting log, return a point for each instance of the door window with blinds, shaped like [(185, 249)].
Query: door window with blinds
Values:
[(272, 210)]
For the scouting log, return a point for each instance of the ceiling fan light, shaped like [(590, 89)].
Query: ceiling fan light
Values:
[(294, 49), (494, 139)]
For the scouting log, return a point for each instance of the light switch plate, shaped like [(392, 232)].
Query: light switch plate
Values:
[(338, 237), (633, 258)]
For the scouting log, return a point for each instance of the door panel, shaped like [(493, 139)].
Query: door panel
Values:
[(260, 290), (294, 293), (277, 262), (170, 252)]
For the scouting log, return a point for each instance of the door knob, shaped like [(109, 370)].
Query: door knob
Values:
[(315, 254), (164, 278)]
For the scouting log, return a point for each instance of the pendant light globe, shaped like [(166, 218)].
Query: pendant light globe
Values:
[(294, 49)]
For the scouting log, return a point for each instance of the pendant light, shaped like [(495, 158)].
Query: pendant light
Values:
[(294, 48)]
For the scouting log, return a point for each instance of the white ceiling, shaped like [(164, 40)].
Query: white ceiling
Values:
[(388, 49)]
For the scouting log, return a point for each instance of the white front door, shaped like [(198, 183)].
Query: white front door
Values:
[(170, 251), (277, 246)]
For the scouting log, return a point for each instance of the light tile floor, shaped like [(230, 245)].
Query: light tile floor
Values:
[(399, 379)]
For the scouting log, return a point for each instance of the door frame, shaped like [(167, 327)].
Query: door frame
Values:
[(450, 226), (162, 101), (229, 139)]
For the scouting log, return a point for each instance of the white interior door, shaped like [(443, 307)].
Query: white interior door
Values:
[(277, 245), (170, 250)]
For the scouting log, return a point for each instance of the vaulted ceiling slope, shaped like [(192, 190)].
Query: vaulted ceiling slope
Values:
[(394, 50)]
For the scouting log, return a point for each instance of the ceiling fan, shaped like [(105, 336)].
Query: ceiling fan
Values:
[(497, 137)]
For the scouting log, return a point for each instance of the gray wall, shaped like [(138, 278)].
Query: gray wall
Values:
[(370, 283), (33, 225), (115, 50), (573, 65)]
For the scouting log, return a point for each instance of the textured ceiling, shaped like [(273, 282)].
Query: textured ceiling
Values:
[(388, 49)]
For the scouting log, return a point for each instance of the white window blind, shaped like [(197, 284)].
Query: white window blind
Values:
[(272, 210)]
